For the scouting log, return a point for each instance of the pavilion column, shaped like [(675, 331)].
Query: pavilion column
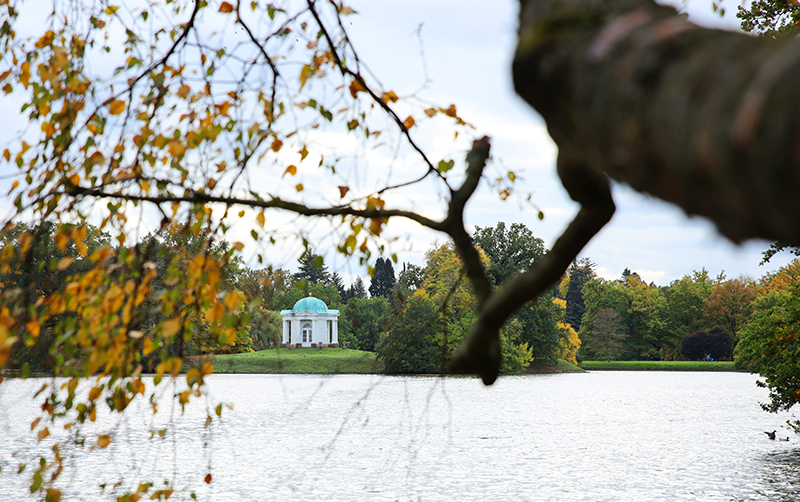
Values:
[(286, 330), (295, 330), (335, 337)]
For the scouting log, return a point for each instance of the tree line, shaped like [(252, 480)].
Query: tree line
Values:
[(414, 319)]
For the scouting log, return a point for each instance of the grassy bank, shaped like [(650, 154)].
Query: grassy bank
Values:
[(659, 365), (558, 366), (305, 360)]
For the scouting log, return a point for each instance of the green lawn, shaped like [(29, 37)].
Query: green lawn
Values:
[(659, 365), (305, 360)]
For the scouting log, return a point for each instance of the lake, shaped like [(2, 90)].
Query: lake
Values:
[(600, 436)]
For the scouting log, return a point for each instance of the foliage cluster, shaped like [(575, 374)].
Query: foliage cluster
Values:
[(628, 319)]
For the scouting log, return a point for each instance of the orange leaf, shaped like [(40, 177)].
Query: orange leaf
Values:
[(356, 87), (430, 112), (389, 97), (409, 122), (290, 170), (116, 107), (43, 433), (207, 479), (343, 191), (226, 8), (276, 145), (103, 441)]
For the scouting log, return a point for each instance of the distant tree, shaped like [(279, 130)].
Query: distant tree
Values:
[(731, 304), (356, 290), (510, 251), (571, 342), (768, 346), (336, 280), (266, 329), (312, 269), (53, 258), (408, 345), (608, 334), (580, 273), (686, 303), (716, 343), (368, 318), (263, 284), (411, 277), (383, 279)]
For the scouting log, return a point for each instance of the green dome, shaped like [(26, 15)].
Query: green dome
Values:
[(311, 304)]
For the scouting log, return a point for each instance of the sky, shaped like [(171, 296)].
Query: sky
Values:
[(468, 47), (460, 52)]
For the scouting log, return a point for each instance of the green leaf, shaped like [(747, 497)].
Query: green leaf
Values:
[(445, 166)]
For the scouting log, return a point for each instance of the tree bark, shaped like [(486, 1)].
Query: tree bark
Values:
[(705, 119)]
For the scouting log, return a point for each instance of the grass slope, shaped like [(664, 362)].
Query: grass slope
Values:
[(659, 365), (558, 366), (305, 360)]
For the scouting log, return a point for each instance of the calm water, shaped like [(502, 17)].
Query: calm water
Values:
[(634, 436)]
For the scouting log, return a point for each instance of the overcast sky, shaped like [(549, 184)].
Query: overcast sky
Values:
[(467, 47)]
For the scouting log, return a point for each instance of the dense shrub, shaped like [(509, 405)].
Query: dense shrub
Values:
[(716, 343)]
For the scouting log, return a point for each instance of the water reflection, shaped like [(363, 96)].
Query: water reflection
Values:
[(599, 436)]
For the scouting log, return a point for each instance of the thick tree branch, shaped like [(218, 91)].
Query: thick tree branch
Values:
[(454, 222), (480, 353), (701, 118)]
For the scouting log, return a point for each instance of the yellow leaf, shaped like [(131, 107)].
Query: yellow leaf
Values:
[(116, 107), (409, 122), (65, 262), (292, 170), (299, 187), (43, 433), (260, 218), (238, 246), (306, 72), (95, 393), (216, 312), (34, 328), (226, 8), (184, 91), (389, 97), (52, 495), (232, 301), (103, 441), (171, 327), (356, 87)]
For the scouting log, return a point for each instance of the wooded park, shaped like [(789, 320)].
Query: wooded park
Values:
[(144, 113)]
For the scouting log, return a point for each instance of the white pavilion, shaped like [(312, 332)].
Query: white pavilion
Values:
[(310, 323)]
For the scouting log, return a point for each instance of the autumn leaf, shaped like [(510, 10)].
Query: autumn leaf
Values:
[(430, 112), (343, 191), (389, 97), (207, 479), (305, 73), (116, 107), (65, 262), (276, 145), (103, 441), (291, 170), (356, 87), (409, 122), (226, 8)]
